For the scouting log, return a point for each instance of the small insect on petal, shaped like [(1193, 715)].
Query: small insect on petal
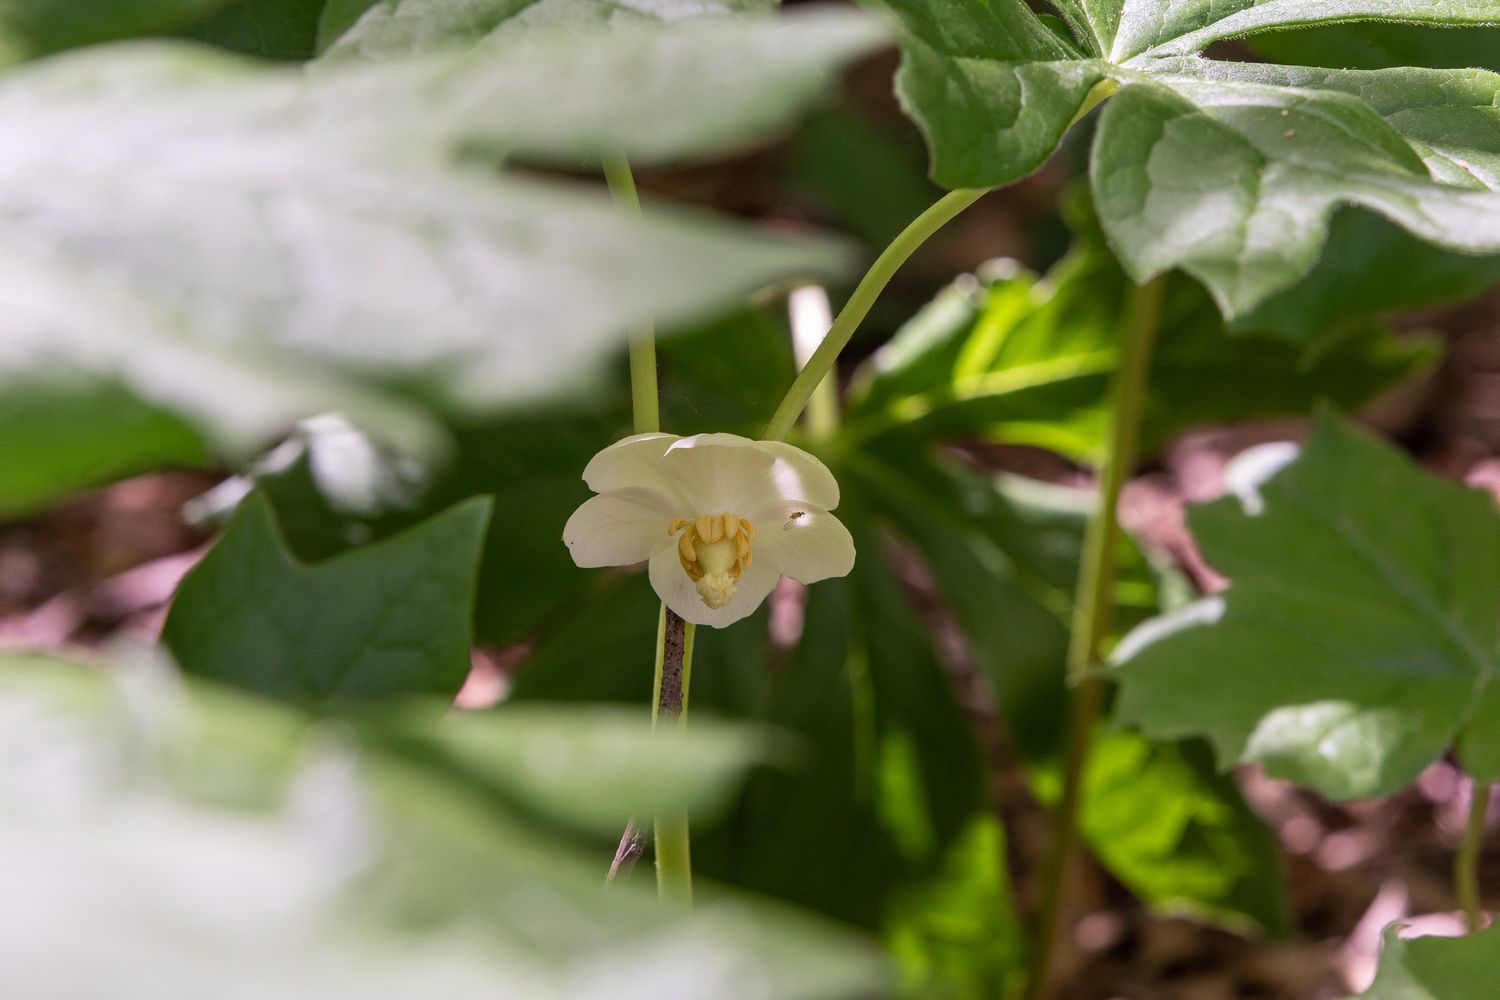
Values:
[(795, 516)]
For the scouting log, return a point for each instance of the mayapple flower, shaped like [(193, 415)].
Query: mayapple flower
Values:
[(718, 517)]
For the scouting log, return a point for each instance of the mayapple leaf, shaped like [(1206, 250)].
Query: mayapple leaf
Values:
[(990, 85), (380, 622), (1359, 631), (374, 29), (373, 269), (1230, 171), (1436, 968), (1233, 174)]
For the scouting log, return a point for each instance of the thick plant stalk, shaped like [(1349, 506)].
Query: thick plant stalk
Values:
[(1093, 612), (1466, 866), (859, 304)]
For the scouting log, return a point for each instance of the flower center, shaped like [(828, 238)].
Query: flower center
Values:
[(714, 550)]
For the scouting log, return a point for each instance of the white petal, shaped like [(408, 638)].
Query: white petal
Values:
[(720, 473), (815, 546), (632, 461), (800, 476), (677, 591), (619, 528)]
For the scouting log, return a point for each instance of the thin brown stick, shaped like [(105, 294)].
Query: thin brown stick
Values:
[(632, 848)]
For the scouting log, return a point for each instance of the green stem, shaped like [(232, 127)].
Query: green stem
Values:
[(643, 392), (859, 304), (1466, 866), (1093, 612), (674, 637)]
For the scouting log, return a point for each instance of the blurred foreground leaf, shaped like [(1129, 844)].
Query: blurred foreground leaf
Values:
[(284, 251), (383, 621), (1358, 636), (368, 29), (202, 843)]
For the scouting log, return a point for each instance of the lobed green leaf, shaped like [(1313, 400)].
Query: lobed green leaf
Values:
[(1231, 171), (1358, 636), (387, 620)]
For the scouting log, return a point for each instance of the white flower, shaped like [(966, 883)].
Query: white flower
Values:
[(719, 517)]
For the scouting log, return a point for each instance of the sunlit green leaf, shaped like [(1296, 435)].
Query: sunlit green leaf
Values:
[(1029, 360), (1180, 836), (957, 933)]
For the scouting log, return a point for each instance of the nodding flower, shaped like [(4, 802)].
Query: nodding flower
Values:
[(695, 510)]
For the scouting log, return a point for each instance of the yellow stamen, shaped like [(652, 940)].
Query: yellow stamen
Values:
[(710, 528), (714, 550)]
